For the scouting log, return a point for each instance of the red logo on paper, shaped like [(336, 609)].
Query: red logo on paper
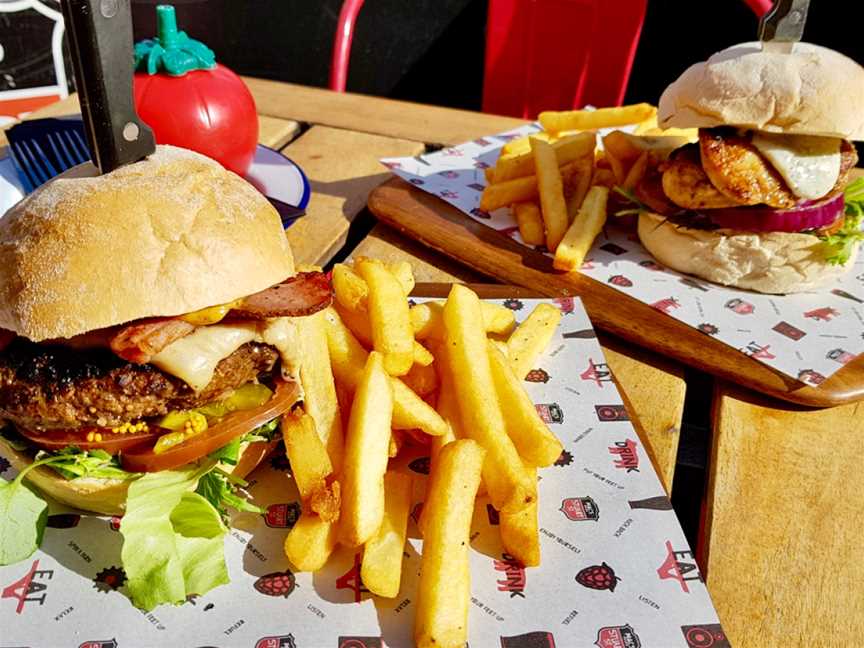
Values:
[(617, 637), (707, 635), (628, 458), (740, 306), (822, 314), (599, 577), (515, 576), (841, 356), (565, 304), (675, 567), (282, 641), (282, 516), (276, 584), (786, 329), (580, 508), (550, 412), (666, 305), (756, 350), (351, 580), (598, 373), (360, 642), (537, 639), (109, 643), (29, 588)]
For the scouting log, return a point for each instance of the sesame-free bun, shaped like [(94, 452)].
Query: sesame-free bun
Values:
[(108, 496), (767, 262), (813, 91), (169, 235)]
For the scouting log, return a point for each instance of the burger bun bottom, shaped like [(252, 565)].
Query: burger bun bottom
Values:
[(108, 496), (766, 262)]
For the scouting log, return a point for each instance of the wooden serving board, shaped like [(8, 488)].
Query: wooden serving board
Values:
[(440, 226)]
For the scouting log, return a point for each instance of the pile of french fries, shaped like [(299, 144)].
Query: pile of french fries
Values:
[(379, 375), (557, 184)]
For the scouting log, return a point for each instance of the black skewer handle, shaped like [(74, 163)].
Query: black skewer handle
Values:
[(100, 35)]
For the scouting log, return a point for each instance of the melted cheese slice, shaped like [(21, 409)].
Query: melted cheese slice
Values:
[(193, 359), (810, 165)]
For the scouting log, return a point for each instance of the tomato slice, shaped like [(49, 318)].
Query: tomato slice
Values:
[(111, 442), (143, 459)]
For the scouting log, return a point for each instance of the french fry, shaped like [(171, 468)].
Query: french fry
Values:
[(556, 122), (551, 190), (319, 389), (348, 357), (422, 356), (603, 178), (504, 474), (444, 589), (428, 323), (395, 444), (310, 542), (576, 187), (366, 454), (310, 464), (637, 172), (521, 145), (404, 274), (567, 149), (422, 379), (326, 502), (381, 569), (531, 337), (349, 289), (520, 533), (579, 238), (646, 125), (508, 192), (392, 333), (358, 323), (530, 222), (533, 440)]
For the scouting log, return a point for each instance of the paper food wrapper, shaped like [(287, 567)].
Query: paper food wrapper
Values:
[(616, 570), (807, 336)]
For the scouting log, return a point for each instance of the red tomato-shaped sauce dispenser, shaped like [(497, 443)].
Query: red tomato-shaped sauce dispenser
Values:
[(189, 100)]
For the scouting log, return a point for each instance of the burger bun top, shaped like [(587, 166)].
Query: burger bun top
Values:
[(811, 91), (168, 235)]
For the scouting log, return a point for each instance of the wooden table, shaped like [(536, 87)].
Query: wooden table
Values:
[(785, 497)]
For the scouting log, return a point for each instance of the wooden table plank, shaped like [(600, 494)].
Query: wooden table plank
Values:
[(655, 387), (342, 167), (272, 131), (785, 504), (401, 119), (385, 243)]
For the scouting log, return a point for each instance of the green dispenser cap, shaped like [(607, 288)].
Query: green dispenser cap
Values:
[(171, 52)]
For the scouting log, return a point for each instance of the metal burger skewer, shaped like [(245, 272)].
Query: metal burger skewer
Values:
[(100, 35), (783, 25)]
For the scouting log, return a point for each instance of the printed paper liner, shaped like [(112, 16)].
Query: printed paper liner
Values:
[(616, 570), (806, 336)]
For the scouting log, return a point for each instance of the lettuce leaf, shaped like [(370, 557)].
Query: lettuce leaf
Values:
[(173, 539), (72, 462), (840, 245)]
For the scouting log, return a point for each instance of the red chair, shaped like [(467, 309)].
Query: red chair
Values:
[(342, 44), (558, 54), (543, 54)]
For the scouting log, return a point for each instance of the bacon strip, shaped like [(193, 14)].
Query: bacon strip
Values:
[(303, 294), (139, 341)]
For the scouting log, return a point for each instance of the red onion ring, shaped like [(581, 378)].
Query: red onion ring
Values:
[(810, 215)]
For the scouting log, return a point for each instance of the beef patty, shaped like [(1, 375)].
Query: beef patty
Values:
[(43, 387)]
